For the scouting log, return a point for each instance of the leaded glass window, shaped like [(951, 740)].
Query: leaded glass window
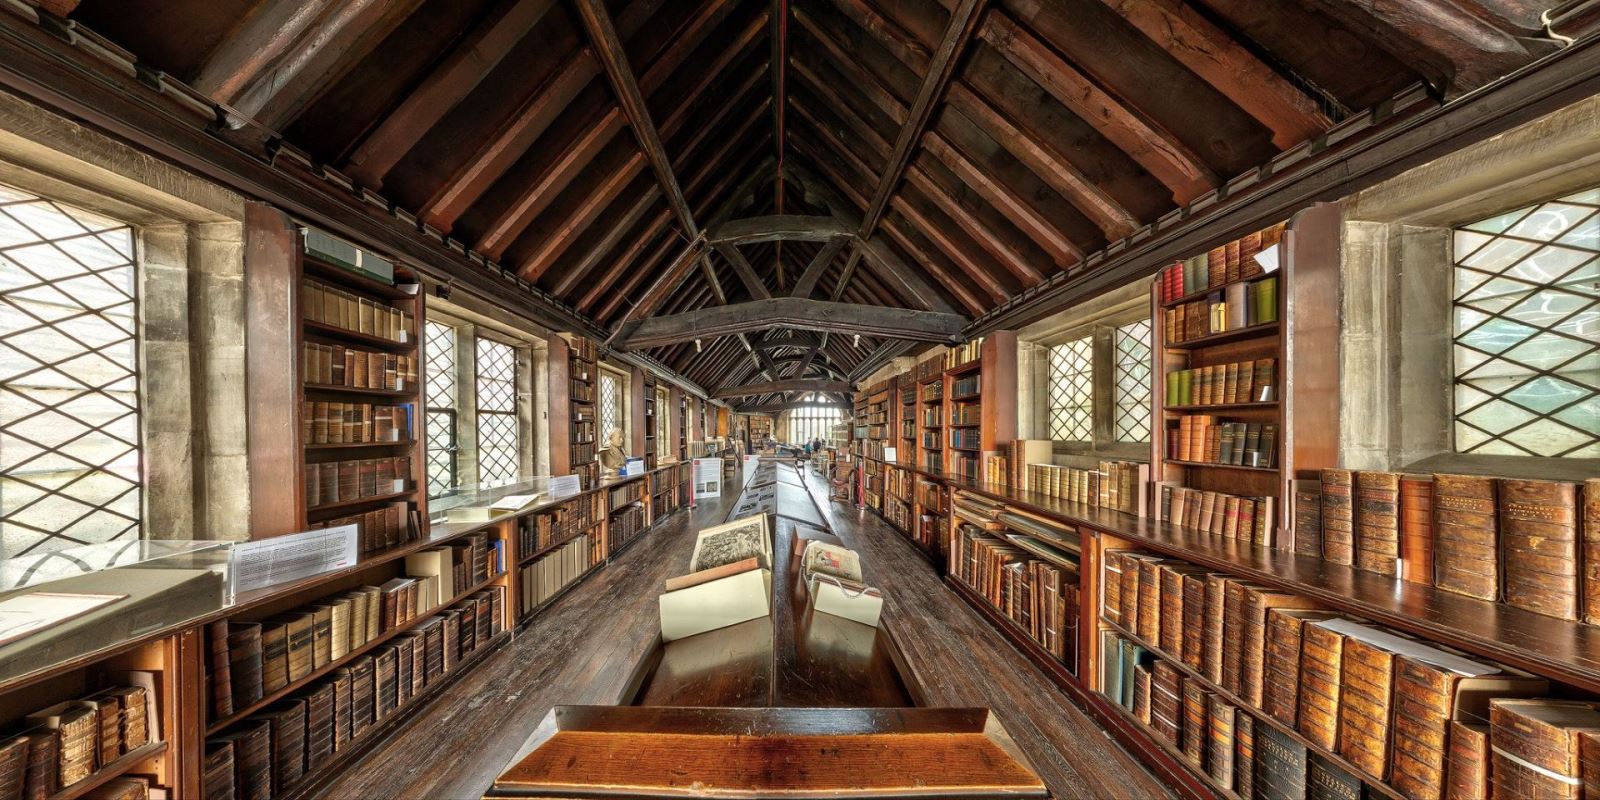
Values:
[(439, 341), (1072, 390), (498, 435), (1132, 343), (807, 422), (1527, 331), (610, 404), (70, 463)]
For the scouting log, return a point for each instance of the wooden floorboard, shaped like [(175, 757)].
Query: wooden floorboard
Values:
[(583, 650)]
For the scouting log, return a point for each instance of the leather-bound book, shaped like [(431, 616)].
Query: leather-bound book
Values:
[(361, 697), (1338, 516), (216, 775), (1280, 765), (1589, 761), (1257, 602), (274, 655), (1111, 585), (1233, 635), (1129, 590), (385, 697), (1591, 551), (1194, 620), (252, 758), (1196, 731), (287, 721), (1539, 543), (1280, 692), (1150, 600), (219, 680), (1244, 753), (1308, 517), (1534, 747), (319, 726), (1416, 528), (1216, 602), (1173, 576), (42, 775), (1366, 685), (1141, 692), (1321, 658), (1220, 753), (1432, 686), (1377, 522), (341, 709), (13, 766), (1466, 559), (1326, 780), (1166, 700), (245, 663), (1466, 773)]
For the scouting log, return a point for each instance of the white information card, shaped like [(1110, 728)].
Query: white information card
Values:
[(280, 559)]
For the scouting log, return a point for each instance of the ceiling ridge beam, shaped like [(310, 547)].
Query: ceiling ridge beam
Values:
[(775, 227)]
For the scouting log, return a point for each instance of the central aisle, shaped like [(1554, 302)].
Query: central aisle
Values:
[(583, 650)]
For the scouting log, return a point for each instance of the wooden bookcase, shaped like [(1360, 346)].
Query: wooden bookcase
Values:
[(980, 402), (360, 374), (650, 419), (574, 371), (1298, 314)]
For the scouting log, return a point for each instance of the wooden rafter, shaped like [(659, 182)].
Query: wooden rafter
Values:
[(777, 227), (758, 315), (807, 282), (788, 385)]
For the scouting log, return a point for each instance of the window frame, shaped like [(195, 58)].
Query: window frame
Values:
[(480, 413), (620, 406), (816, 424), (451, 412), (1100, 326)]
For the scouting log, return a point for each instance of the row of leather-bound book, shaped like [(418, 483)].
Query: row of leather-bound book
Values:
[(625, 524), (68, 742), (1533, 544), (250, 660), (379, 528), (342, 309), (1218, 266), (353, 423), (270, 753), (560, 568), (353, 479), (538, 531), (1250, 519), (1422, 718), (356, 368), (1040, 596)]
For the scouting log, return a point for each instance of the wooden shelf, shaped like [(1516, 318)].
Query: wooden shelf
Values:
[(562, 592), (323, 329), (382, 498), (353, 445), (1210, 465), (1261, 717), (116, 769), (328, 668), (352, 280), (1224, 337), (328, 387), (962, 369), (1267, 404), (1204, 293)]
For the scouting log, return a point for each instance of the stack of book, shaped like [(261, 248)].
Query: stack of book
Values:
[(1204, 439), (1237, 306), (68, 742), (335, 307), (1116, 485), (624, 525), (342, 481), (964, 353), (1500, 539), (1222, 384), (548, 575), (1250, 519), (1219, 266), (729, 580), (270, 753), (336, 365), (353, 423), (1039, 594)]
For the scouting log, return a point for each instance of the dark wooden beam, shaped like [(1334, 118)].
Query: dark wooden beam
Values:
[(793, 312), (779, 342), (777, 227), (807, 282), (778, 20), (776, 408), (1157, 150), (445, 86), (661, 287), (741, 267), (941, 68), (532, 199), (607, 282), (614, 59), (552, 239), (325, 55), (1208, 51), (592, 257), (789, 385)]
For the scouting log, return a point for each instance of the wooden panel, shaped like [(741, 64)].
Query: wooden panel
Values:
[(272, 371)]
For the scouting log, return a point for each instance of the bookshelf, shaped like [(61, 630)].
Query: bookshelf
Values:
[(359, 382), (1230, 341), (979, 405), (574, 369), (930, 413)]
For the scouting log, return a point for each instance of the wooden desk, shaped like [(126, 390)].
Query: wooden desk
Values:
[(619, 751)]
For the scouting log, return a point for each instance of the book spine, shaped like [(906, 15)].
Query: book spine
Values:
[(1539, 543), (1320, 654), (1591, 551), (1366, 681), (1377, 522), (1466, 533), (1416, 530), (1338, 519)]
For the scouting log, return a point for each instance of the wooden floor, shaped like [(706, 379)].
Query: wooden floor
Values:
[(582, 651)]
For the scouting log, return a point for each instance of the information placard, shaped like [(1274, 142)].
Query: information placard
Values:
[(565, 486), (707, 477), (280, 559), (750, 464)]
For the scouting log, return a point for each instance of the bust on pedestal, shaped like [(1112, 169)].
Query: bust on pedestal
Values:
[(613, 456)]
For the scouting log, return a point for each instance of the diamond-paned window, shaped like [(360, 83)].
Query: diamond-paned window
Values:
[(70, 462), (498, 435), (610, 405), (1072, 390), (439, 341), (1527, 331), (1132, 343)]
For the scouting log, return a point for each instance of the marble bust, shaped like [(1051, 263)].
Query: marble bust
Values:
[(613, 456)]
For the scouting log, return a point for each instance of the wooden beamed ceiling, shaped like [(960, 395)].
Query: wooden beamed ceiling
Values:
[(934, 155)]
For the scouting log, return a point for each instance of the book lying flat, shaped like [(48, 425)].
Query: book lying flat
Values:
[(739, 596)]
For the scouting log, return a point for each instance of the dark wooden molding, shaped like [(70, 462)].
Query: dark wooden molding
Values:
[(787, 385), (741, 267), (807, 282), (777, 227), (794, 312)]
